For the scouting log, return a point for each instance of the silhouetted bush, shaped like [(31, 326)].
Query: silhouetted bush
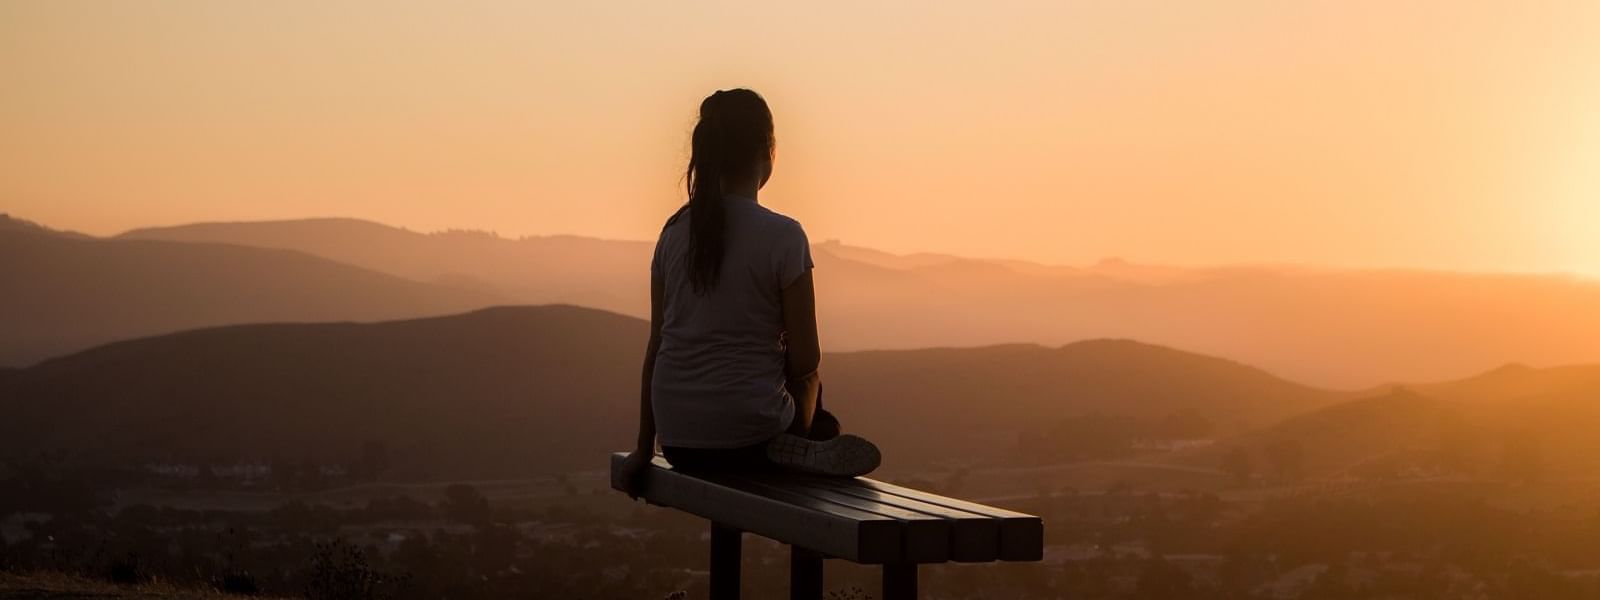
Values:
[(341, 571), (239, 582), (127, 570)]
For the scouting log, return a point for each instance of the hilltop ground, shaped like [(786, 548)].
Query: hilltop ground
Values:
[(58, 586)]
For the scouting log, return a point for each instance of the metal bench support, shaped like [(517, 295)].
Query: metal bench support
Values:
[(805, 574), (900, 581), (725, 555)]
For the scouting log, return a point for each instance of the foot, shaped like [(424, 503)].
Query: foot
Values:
[(824, 426), (843, 456)]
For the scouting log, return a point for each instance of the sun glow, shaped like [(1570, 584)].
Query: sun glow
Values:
[(1571, 193), (1453, 136)]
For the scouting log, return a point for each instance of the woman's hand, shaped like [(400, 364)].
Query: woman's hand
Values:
[(632, 472)]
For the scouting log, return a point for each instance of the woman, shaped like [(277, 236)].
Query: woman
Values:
[(730, 373)]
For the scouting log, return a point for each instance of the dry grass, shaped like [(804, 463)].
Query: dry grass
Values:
[(58, 586)]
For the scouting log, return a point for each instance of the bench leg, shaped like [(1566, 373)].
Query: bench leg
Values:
[(900, 581), (725, 552), (805, 574)]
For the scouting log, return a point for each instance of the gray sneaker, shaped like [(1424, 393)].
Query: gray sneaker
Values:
[(843, 456)]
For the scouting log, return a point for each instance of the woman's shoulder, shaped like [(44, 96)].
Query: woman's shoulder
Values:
[(777, 222), (676, 216)]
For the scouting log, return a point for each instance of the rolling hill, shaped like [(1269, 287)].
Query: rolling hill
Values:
[(1518, 383), (604, 274), (1330, 327), (65, 292), (1512, 423), (10, 224), (1001, 390), (519, 390)]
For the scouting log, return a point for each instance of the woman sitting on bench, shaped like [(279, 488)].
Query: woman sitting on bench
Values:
[(730, 373)]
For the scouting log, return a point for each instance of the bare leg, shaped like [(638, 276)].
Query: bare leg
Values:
[(807, 394), (824, 426)]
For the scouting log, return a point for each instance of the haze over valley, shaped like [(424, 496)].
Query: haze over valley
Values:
[(1336, 328), (334, 372), (241, 341)]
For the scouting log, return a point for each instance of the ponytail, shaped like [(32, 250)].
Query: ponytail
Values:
[(735, 128), (707, 217)]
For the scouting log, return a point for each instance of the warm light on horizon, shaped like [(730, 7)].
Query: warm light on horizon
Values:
[(1434, 134)]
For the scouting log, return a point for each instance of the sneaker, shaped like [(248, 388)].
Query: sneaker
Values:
[(843, 456)]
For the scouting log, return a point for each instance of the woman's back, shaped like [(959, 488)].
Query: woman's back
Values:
[(719, 375), (730, 375)]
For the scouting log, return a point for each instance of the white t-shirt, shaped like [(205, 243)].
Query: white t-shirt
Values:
[(719, 374)]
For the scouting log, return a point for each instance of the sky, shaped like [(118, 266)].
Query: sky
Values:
[(1451, 135)]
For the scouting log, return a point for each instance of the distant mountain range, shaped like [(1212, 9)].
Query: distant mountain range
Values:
[(1334, 328), (299, 340), (521, 390), (515, 391), (604, 274), (64, 292), (1338, 328)]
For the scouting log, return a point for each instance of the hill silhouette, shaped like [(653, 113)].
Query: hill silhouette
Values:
[(1519, 383), (1514, 422), (1357, 436), (65, 292), (520, 390), (10, 224), (1330, 327), (488, 392), (602, 274), (1005, 389)]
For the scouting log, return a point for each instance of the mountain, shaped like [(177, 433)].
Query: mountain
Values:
[(1358, 437), (10, 224), (482, 393), (1014, 387), (1518, 384), (519, 390), (1546, 417), (888, 260), (1514, 422), (605, 274), (66, 292), (1331, 327)]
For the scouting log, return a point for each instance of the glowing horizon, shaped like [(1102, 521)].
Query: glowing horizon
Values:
[(1431, 135)]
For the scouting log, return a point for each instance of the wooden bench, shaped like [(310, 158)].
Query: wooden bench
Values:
[(859, 520)]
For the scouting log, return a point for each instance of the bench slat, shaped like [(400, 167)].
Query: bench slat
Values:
[(1021, 535), (974, 537), (797, 519), (926, 537)]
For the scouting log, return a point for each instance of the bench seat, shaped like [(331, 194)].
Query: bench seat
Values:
[(857, 519)]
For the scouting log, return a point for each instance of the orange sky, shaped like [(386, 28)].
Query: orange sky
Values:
[(1348, 133)]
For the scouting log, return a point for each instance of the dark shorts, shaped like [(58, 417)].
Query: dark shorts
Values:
[(743, 458), (823, 425)]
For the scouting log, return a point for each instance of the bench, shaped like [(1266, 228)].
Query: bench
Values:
[(859, 519)]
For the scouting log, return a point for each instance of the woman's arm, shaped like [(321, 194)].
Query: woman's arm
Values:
[(803, 350), (647, 416), (645, 445)]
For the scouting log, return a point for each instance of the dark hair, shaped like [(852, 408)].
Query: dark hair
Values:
[(734, 134)]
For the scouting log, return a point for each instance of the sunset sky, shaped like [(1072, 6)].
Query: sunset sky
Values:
[(1459, 135)]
